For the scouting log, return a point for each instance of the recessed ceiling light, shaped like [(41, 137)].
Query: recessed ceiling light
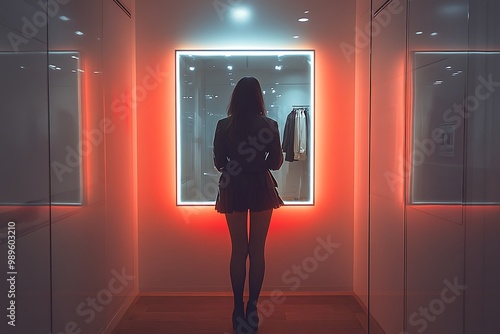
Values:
[(448, 67), (64, 18), (306, 12), (192, 68), (434, 34), (278, 67), (241, 14), (296, 36), (303, 19), (79, 33), (230, 67), (419, 33)]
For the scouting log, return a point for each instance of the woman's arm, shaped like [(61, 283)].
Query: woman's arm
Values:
[(274, 159), (220, 150)]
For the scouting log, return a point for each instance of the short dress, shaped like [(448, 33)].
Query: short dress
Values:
[(245, 161)]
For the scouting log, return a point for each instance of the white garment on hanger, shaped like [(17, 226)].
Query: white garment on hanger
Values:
[(300, 136)]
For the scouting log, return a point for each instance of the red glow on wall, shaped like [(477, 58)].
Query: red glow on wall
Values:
[(334, 126)]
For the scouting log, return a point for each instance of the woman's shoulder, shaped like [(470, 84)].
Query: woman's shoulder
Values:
[(270, 121), (222, 123)]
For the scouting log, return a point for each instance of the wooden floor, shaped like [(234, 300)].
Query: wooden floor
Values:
[(212, 315)]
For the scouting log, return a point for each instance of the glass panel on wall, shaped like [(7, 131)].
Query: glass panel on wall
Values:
[(437, 147), (387, 128), (91, 144), (24, 169), (438, 77), (31, 188), (482, 172), (442, 115), (205, 81), (76, 163)]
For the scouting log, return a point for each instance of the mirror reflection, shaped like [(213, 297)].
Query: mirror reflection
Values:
[(24, 120), (455, 114), (205, 81)]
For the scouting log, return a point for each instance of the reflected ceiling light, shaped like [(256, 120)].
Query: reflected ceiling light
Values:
[(79, 33), (303, 19), (75, 57), (455, 9), (229, 67), (434, 33), (306, 12), (419, 33), (296, 36), (64, 18), (448, 67), (438, 82), (192, 68), (278, 67), (22, 67), (241, 14)]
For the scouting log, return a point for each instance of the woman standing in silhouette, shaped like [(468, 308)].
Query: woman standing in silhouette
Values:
[(246, 147)]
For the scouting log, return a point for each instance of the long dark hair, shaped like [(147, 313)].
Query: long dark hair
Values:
[(246, 100)]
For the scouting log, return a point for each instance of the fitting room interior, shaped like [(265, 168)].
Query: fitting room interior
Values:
[(108, 107)]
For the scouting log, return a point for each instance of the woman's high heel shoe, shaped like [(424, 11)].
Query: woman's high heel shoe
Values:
[(239, 323), (252, 315)]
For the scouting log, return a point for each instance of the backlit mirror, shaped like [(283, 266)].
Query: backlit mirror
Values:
[(205, 81)]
